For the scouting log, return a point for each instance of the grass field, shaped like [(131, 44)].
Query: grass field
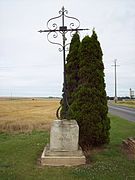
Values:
[(20, 152), (128, 103), (25, 115)]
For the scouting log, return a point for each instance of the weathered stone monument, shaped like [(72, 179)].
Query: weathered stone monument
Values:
[(63, 149)]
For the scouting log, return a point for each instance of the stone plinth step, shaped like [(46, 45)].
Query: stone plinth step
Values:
[(62, 158)]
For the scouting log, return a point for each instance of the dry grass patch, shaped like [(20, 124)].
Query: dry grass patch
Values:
[(129, 103), (21, 115)]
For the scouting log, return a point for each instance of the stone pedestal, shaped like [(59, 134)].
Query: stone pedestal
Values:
[(63, 149)]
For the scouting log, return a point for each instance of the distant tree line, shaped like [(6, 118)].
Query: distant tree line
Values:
[(119, 98)]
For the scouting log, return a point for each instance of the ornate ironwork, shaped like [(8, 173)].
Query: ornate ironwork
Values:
[(53, 30)]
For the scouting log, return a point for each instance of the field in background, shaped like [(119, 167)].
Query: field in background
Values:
[(128, 103), (27, 114), (24, 115)]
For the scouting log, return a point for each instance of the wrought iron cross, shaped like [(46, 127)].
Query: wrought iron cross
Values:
[(53, 28)]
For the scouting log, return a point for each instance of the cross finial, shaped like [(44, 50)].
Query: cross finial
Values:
[(63, 8)]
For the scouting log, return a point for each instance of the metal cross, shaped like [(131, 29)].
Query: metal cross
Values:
[(53, 28)]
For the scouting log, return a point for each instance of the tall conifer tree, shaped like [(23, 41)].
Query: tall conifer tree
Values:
[(72, 68), (89, 106)]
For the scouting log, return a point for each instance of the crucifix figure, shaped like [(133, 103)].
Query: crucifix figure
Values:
[(54, 29)]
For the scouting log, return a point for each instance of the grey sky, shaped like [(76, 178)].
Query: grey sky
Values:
[(31, 66)]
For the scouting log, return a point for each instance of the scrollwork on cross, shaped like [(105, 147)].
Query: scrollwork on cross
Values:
[(53, 33)]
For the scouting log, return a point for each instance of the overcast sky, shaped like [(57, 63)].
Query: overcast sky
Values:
[(31, 66)]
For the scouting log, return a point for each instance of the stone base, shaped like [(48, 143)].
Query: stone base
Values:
[(62, 158)]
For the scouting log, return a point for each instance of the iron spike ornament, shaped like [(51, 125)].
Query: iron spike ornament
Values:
[(53, 32)]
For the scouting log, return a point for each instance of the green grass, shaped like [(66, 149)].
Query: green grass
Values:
[(19, 154)]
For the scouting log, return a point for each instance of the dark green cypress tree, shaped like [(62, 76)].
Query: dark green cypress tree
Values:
[(72, 68), (89, 107)]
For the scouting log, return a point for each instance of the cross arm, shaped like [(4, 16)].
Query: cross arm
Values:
[(63, 30)]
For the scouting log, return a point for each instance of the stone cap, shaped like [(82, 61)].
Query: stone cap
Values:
[(64, 122)]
